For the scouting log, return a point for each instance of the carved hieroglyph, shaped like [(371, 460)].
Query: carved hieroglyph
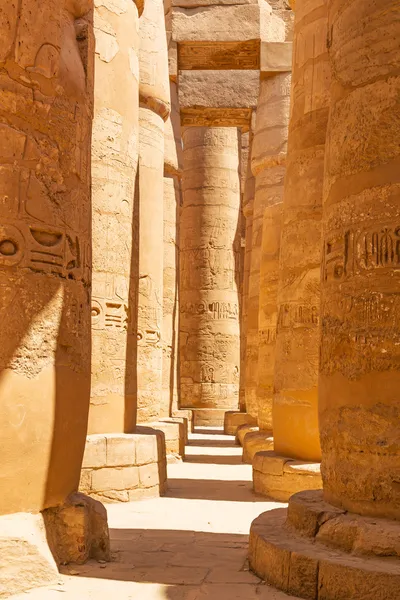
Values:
[(359, 371), (297, 346), (114, 165), (209, 265), (46, 85), (154, 108)]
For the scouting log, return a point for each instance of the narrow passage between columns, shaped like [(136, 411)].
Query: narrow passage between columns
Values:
[(191, 544)]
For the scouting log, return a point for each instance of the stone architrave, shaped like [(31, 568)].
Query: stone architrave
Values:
[(295, 405), (154, 109), (209, 269), (114, 166), (46, 88)]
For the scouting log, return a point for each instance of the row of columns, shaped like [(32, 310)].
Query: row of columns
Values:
[(336, 367)]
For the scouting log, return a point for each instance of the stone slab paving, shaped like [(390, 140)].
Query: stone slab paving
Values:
[(189, 545)]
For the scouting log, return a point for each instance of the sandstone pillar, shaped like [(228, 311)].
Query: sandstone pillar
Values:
[(114, 165), (172, 201), (209, 312), (45, 267), (46, 88), (297, 348), (294, 410), (268, 165), (359, 374), (235, 419), (154, 109), (121, 462), (345, 535)]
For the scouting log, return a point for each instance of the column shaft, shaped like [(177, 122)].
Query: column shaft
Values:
[(114, 165), (46, 86), (154, 109), (359, 371), (209, 311), (297, 345)]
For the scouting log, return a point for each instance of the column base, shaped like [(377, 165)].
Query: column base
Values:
[(32, 546), (242, 431), (208, 417), (123, 467), (316, 551), (279, 477), (234, 419), (175, 430), (185, 414), (256, 441)]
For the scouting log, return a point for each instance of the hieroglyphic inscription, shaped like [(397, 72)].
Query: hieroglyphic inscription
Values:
[(216, 310), (297, 315), (349, 252)]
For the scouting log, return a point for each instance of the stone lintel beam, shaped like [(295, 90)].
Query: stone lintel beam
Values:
[(229, 23), (219, 55), (218, 89), (217, 117), (275, 57)]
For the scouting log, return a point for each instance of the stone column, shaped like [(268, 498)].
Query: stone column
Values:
[(45, 266), (114, 165), (297, 349), (346, 534), (235, 419), (268, 165), (121, 462), (154, 110), (209, 311), (172, 201), (46, 89), (295, 411), (359, 372)]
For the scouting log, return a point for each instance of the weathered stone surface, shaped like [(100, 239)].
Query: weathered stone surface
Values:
[(153, 59), (228, 23), (218, 89), (114, 166), (297, 345), (275, 57), (234, 419), (172, 202), (25, 559), (256, 441), (216, 117), (268, 157), (209, 311), (243, 430), (128, 463), (218, 55), (308, 569), (46, 87), (279, 477), (359, 370), (78, 530)]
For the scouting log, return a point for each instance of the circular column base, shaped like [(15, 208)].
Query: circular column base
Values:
[(256, 441), (316, 551), (279, 477), (234, 419), (242, 431)]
